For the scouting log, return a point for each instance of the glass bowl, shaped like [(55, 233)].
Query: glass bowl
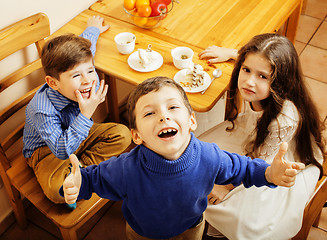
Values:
[(147, 22)]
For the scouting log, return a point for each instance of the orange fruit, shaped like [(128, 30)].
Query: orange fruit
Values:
[(144, 10), (129, 4), (139, 3), (151, 22), (140, 21)]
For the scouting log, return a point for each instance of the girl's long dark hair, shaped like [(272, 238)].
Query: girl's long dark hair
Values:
[(287, 84)]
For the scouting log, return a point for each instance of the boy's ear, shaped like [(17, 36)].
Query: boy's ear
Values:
[(136, 137), (194, 124), (52, 82)]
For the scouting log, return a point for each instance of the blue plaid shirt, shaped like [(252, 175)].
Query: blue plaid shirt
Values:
[(54, 120)]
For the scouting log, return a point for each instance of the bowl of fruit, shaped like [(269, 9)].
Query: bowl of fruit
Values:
[(147, 13)]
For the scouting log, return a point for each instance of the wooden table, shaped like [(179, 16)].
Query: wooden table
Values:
[(228, 23), (112, 63)]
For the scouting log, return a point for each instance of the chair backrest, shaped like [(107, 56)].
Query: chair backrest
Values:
[(17, 38), (19, 179), (314, 206)]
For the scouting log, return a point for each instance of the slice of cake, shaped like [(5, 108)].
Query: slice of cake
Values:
[(145, 56), (197, 76), (193, 76)]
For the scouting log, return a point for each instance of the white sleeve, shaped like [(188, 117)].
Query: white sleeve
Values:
[(281, 129)]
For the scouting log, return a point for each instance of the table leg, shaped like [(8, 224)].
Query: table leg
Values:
[(112, 97), (304, 6), (292, 23)]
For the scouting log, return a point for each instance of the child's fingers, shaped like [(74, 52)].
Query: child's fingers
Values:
[(105, 27), (287, 183), (78, 96), (216, 60), (71, 191), (101, 87), (104, 93), (103, 96), (93, 88), (75, 163), (281, 152), (68, 183), (298, 166), (70, 199), (290, 172), (105, 90)]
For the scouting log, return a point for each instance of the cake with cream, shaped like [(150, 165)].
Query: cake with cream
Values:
[(145, 56), (197, 76), (194, 76)]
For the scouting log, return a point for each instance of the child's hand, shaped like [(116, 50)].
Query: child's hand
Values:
[(72, 183), (88, 105), (217, 54), (218, 193), (97, 21), (281, 172)]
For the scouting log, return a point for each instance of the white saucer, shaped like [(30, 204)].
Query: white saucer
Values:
[(182, 75), (134, 62)]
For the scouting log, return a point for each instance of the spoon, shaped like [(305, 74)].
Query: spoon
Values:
[(216, 74)]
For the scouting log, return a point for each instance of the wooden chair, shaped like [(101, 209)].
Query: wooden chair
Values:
[(314, 207), (19, 179)]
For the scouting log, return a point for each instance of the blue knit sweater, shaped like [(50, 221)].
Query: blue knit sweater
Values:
[(163, 198)]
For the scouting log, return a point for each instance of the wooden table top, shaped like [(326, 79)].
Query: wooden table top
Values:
[(202, 23), (227, 23), (111, 62)]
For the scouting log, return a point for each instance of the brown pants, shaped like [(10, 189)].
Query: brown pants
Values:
[(104, 141), (194, 233)]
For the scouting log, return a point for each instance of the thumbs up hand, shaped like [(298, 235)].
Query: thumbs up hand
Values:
[(72, 183), (281, 172)]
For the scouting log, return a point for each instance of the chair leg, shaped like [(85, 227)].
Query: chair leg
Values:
[(19, 212), (17, 205), (316, 222), (68, 234)]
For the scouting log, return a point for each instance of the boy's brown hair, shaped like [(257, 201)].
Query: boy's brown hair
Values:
[(63, 53), (147, 86)]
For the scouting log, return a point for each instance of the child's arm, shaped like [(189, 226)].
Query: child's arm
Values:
[(105, 179), (281, 172), (89, 105), (94, 28), (217, 54), (73, 181)]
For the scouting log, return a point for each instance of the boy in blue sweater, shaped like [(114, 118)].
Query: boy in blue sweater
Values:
[(58, 118), (164, 181)]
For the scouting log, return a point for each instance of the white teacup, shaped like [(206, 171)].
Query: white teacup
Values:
[(182, 57), (125, 42)]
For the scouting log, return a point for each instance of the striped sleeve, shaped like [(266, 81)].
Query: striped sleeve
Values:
[(92, 34)]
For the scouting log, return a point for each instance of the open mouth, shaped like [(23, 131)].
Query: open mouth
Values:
[(86, 92), (166, 133)]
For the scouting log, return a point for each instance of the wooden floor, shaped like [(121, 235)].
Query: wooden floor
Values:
[(311, 44)]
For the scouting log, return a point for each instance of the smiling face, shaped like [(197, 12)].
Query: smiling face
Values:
[(254, 79), (80, 77), (163, 122)]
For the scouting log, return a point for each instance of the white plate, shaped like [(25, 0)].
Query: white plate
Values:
[(134, 62), (182, 75)]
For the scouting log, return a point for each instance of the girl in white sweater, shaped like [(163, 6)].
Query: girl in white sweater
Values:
[(276, 107)]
